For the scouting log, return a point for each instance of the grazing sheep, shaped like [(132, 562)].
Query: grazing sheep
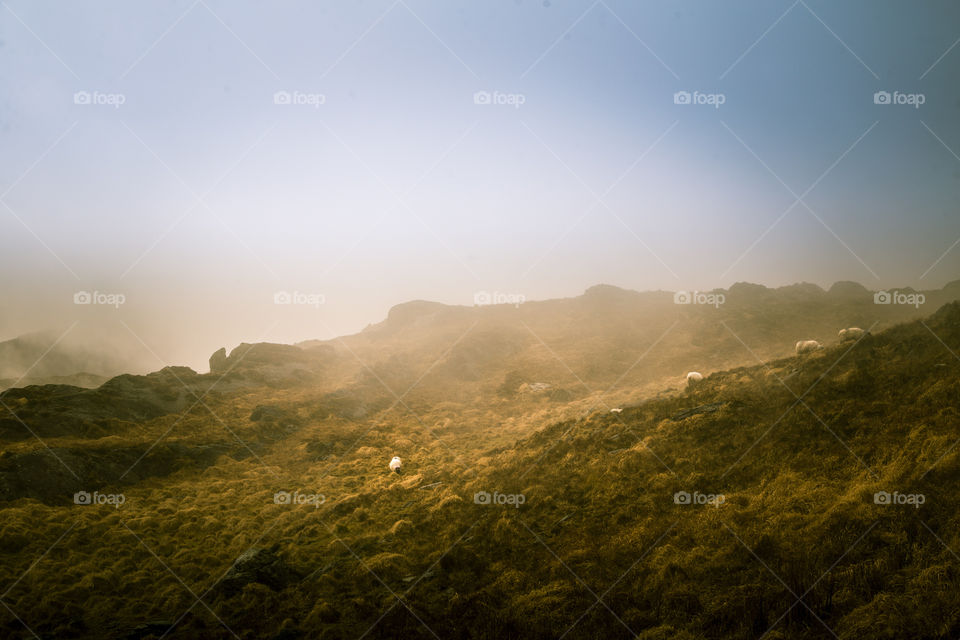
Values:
[(853, 333), (395, 464), (806, 346), (617, 410), (693, 378)]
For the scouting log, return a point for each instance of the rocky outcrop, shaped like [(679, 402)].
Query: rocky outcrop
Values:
[(258, 565), (218, 361)]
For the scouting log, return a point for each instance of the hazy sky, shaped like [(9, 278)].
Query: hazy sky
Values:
[(144, 153)]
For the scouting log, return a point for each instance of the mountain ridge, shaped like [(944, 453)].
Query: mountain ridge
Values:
[(613, 503)]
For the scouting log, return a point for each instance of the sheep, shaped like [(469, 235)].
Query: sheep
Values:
[(806, 346), (617, 410), (395, 464), (693, 378), (852, 333)]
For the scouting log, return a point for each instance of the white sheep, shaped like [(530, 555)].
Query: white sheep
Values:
[(852, 333), (693, 378), (806, 346), (395, 464), (617, 410)]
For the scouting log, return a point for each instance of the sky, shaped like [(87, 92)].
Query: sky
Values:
[(192, 165)]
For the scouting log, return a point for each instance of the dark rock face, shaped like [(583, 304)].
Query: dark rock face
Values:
[(275, 365), (267, 354), (59, 410), (263, 356), (258, 565), (218, 361)]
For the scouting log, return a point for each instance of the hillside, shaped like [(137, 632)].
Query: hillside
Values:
[(450, 374), (781, 456), (610, 336)]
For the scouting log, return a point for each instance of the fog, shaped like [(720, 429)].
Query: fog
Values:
[(186, 164)]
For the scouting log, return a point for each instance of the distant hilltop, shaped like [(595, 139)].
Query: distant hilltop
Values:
[(608, 319), (409, 315)]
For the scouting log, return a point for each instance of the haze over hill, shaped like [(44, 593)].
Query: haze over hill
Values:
[(602, 334), (516, 319), (160, 160), (49, 358), (624, 318), (188, 468)]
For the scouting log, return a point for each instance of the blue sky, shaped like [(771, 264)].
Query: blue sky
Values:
[(199, 197)]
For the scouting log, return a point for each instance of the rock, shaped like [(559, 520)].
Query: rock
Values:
[(259, 565), (267, 363), (704, 408), (155, 628), (218, 361)]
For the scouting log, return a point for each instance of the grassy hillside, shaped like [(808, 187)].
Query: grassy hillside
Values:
[(588, 530), (610, 336)]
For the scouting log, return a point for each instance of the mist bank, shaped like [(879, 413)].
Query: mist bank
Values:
[(124, 338)]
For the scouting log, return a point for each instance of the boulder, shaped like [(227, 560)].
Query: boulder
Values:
[(259, 565), (218, 361)]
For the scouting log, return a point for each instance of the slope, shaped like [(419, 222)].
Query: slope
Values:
[(781, 532)]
